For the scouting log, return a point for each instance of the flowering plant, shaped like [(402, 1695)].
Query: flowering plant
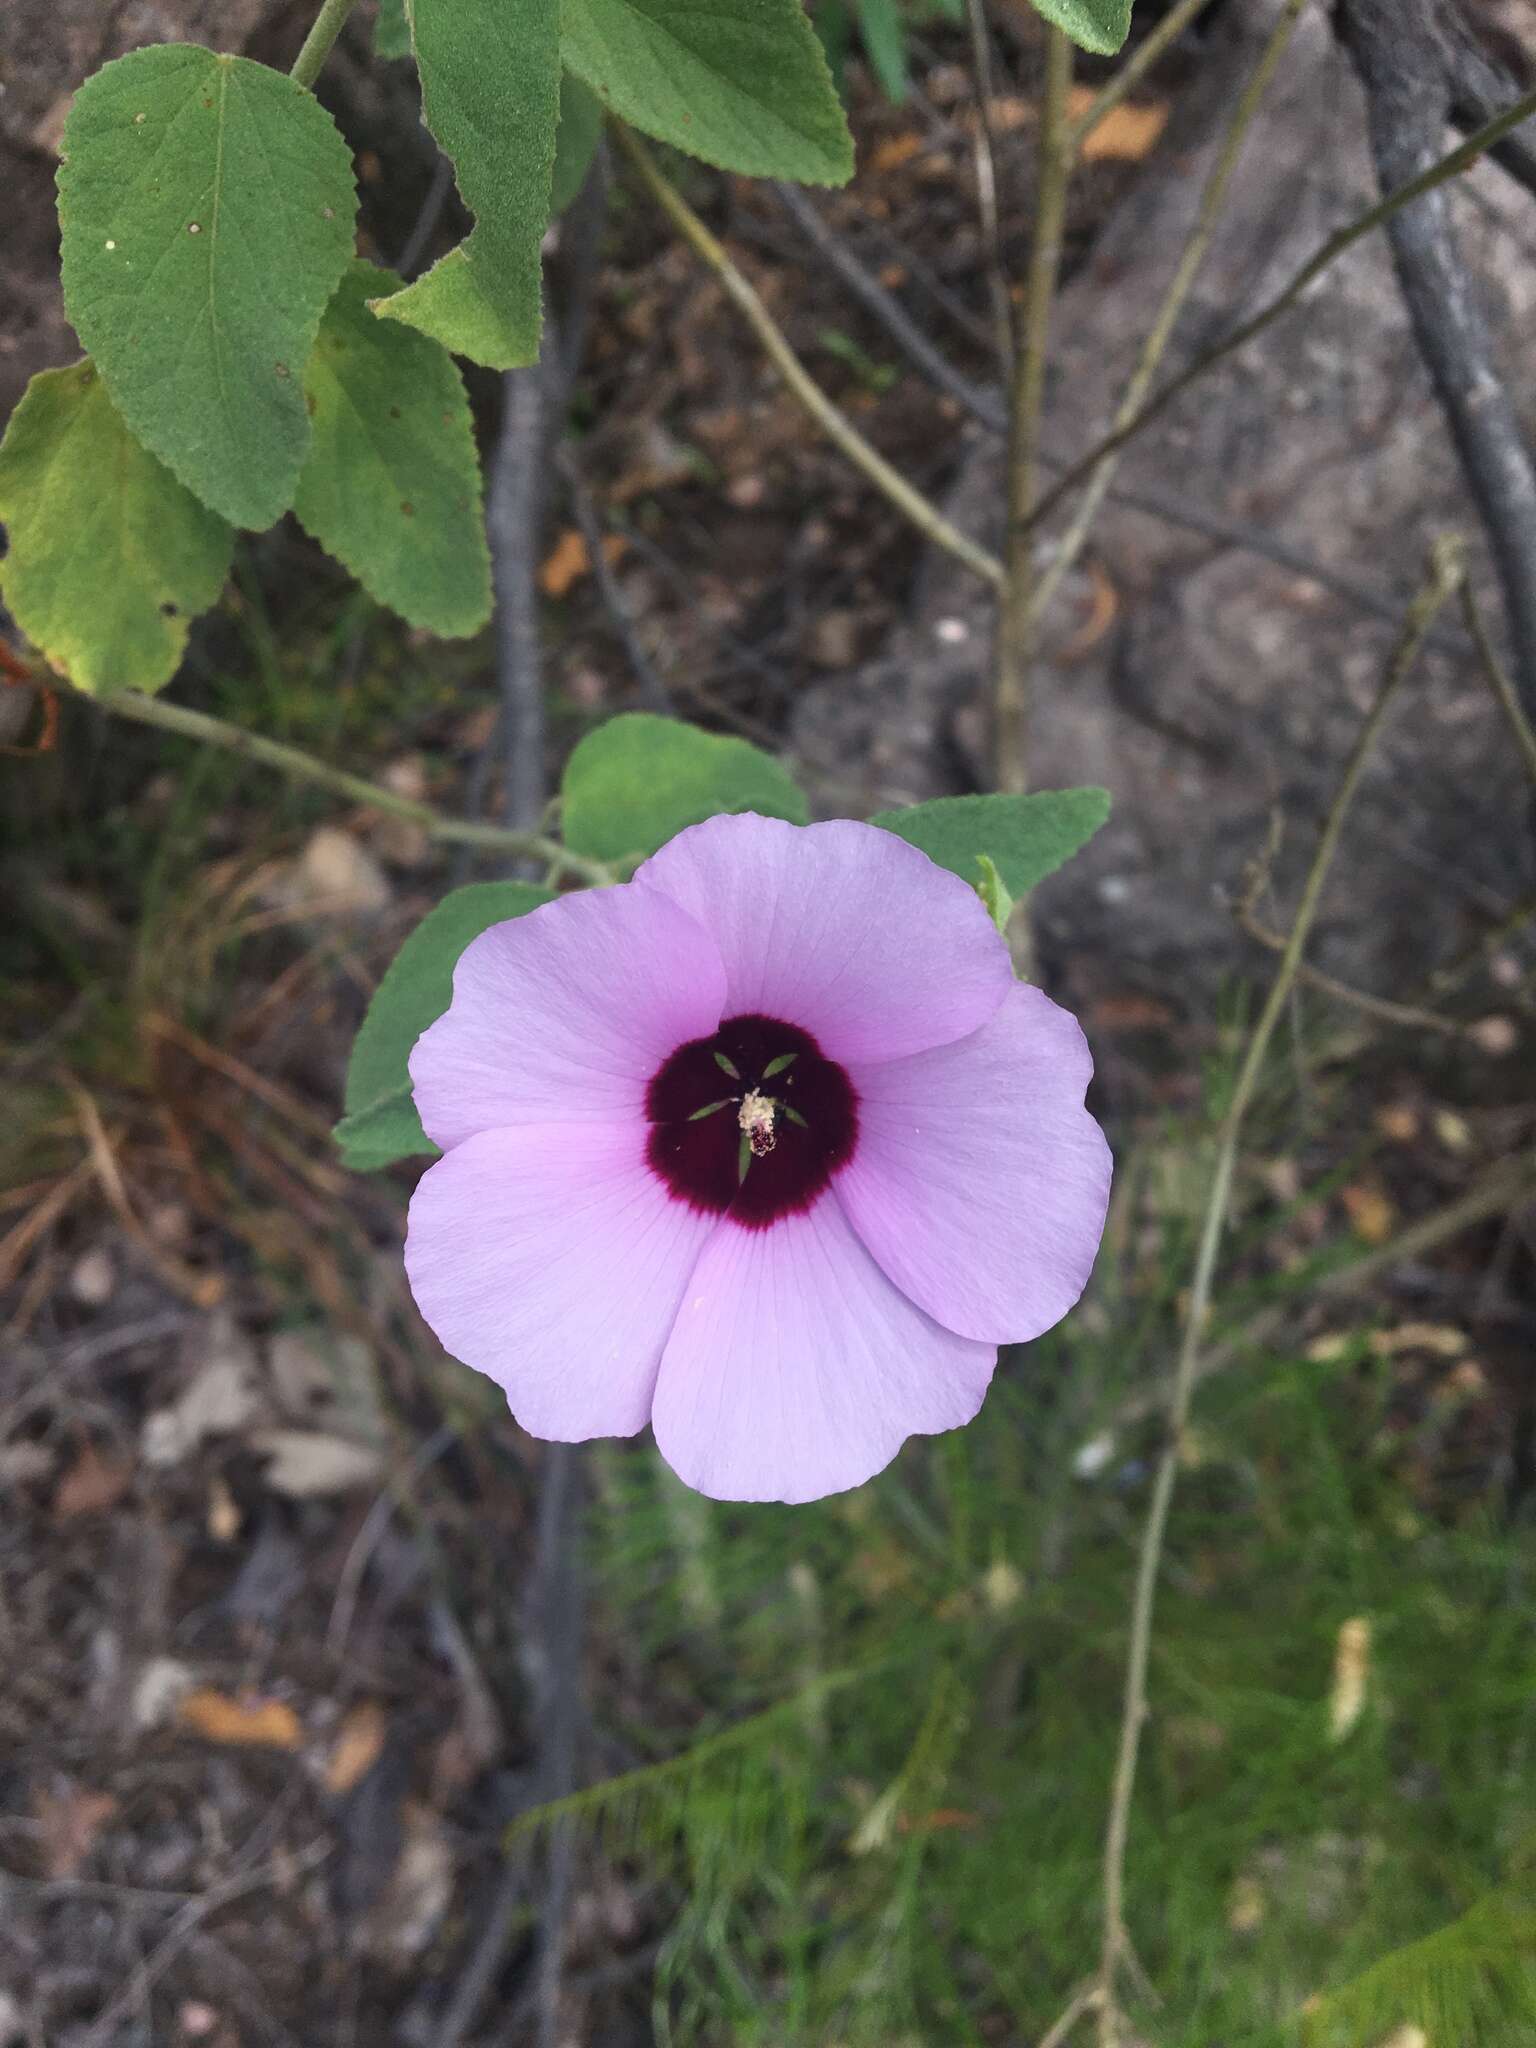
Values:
[(765, 1146)]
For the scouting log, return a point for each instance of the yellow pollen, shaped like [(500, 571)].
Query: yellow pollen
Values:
[(756, 1119)]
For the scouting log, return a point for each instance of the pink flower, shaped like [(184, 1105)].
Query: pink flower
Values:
[(765, 1147)]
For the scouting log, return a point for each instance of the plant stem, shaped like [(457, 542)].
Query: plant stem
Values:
[(986, 183), (1207, 220), (1500, 681), (1459, 159), (1444, 578), (1017, 615), (293, 761), (837, 427), (318, 44), (1134, 69)]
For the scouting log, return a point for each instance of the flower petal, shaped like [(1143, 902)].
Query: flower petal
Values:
[(563, 1016), (796, 1369), (550, 1259), (980, 1182), (840, 928)]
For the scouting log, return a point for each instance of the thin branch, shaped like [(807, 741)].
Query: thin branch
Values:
[(986, 181), (281, 1869), (318, 44), (1085, 1999), (302, 767), (1398, 54), (653, 691), (1135, 68), (408, 262), (1484, 946), (1500, 681), (898, 323), (1479, 87), (1196, 249), (1322, 259), (911, 503), (1405, 1015), (1018, 613), (1445, 574)]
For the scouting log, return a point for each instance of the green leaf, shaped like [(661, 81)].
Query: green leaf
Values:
[(392, 484), (740, 83), (387, 1130), (1098, 25), (884, 35), (391, 31), (994, 892), (638, 779), (381, 1124), (110, 558), (207, 207), (1026, 837), (490, 93), (576, 140)]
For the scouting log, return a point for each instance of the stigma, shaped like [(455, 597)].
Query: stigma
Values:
[(755, 1118)]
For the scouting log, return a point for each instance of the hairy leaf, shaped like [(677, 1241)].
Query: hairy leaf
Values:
[(381, 1124), (740, 83), (1098, 25), (1026, 838), (638, 779), (576, 140), (392, 484), (490, 93), (110, 557), (207, 208), (883, 29)]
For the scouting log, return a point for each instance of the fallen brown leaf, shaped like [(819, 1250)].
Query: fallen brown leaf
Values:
[(358, 1747), (1103, 609), (1126, 134), (91, 1485), (1442, 1339), (68, 1823), (244, 1723), (1370, 1212), (894, 151), (1398, 1121), (568, 561)]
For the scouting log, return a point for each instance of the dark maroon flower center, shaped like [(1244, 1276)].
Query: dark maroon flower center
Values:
[(752, 1122)]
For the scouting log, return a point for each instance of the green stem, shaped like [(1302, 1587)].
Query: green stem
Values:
[(1499, 682), (318, 44), (293, 761)]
